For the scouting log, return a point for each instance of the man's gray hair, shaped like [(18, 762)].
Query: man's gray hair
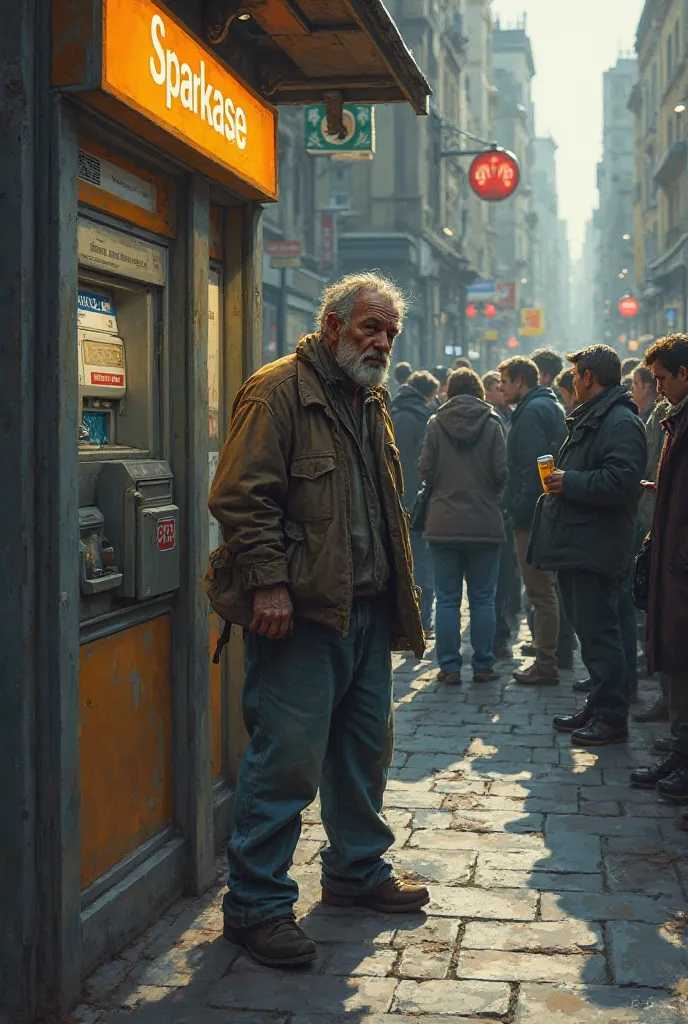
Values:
[(340, 297)]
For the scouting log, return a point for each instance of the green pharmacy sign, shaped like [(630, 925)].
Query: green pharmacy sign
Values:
[(357, 144)]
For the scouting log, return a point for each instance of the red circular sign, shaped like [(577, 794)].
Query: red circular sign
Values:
[(628, 306), (472, 311), (490, 311), (513, 342), (494, 175)]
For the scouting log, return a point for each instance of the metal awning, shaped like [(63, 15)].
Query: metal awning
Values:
[(306, 48)]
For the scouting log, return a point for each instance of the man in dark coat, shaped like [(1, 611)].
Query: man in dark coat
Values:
[(667, 614), (584, 529), (537, 428), (411, 410)]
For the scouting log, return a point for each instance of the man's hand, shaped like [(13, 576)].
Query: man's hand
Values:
[(555, 482), (273, 612)]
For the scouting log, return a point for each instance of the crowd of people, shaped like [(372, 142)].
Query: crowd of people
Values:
[(546, 478), (567, 542)]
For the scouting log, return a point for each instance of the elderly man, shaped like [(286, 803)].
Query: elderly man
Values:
[(317, 564)]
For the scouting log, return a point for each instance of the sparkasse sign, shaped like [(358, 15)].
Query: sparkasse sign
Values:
[(153, 65)]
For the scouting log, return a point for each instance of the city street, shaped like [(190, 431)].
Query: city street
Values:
[(558, 892)]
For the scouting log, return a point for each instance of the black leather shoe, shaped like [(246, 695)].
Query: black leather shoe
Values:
[(662, 744), (647, 778), (675, 787), (528, 650), (567, 723), (657, 712), (275, 943), (598, 733), (582, 685)]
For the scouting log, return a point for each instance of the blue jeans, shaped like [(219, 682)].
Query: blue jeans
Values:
[(422, 576), (479, 564), (318, 710)]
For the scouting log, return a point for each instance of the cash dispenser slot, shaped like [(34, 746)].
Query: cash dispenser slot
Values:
[(137, 501)]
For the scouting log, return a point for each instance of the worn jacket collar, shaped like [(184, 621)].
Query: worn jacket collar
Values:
[(538, 392), (590, 414)]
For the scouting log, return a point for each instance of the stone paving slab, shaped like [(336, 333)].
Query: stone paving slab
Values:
[(642, 954), (539, 937), (607, 907), (302, 993), (461, 997), (500, 905), (451, 868), (558, 1004), (540, 880), (489, 965)]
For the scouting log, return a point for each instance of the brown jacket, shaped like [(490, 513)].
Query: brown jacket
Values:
[(667, 614), (464, 460), (281, 494)]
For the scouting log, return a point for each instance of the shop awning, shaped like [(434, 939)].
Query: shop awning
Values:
[(306, 48)]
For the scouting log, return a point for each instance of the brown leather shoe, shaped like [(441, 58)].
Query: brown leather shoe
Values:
[(450, 678), (656, 712), (534, 676), (392, 897), (278, 942), (485, 677)]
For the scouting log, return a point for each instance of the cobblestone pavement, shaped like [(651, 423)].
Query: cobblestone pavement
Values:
[(558, 893)]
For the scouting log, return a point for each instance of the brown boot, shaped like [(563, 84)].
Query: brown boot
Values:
[(392, 897), (278, 942), (534, 676)]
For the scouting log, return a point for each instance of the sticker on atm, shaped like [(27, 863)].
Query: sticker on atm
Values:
[(166, 535), (108, 380)]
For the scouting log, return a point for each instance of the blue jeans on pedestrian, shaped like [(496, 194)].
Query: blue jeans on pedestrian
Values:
[(479, 564), (422, 576), (318, 710)]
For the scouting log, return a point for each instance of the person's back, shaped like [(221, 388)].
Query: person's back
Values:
[(464, 463), (411, 409), (466, 443)]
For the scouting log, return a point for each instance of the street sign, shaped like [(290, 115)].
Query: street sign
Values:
[(532, 323), (359, 122), (284, 262), (494, 175), (506, 294), (327, 241), (280, 247), (482, 290), (628, 306), (491, 336), (671, 315)]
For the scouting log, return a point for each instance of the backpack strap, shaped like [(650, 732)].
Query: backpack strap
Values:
[(222, 642)]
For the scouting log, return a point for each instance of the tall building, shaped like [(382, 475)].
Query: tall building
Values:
[(659, 103), (550, 259), (615, 183), (513, 71)]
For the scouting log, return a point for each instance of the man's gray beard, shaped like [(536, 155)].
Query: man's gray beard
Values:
[(350, 360)]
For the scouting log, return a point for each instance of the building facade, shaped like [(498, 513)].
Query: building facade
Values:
[(550, 259), (660, 106), (131, 255)]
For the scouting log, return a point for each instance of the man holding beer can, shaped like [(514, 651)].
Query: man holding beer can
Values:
[(584, 529)]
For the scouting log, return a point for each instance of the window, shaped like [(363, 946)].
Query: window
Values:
[(669, 58)]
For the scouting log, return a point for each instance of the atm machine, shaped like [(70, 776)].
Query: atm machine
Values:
[(128, 519)]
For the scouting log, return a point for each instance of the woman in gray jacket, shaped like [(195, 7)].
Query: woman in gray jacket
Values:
[(464, 462)]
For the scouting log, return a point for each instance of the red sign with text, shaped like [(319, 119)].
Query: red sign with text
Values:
[(327, 243), (166, 535), (494, 175), (279, 247), (109, 380), (628, 306)]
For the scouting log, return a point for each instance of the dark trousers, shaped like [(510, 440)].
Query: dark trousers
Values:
[(422, 576), (591, 603), (567, 636), (678, 713), (628, 624), (508, 599)]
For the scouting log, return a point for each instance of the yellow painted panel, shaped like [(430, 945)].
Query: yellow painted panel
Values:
[(216, 730), (126, 743)]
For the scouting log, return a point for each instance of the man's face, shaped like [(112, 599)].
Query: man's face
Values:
[(545, 379), (495, 396), (674, 389), (364, 348), (511, 389), (583, 384), (643, 393), (569, 399)]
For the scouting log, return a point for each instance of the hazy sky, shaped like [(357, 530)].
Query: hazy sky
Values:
[(574, 42)]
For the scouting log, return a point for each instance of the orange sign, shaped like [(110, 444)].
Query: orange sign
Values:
[(150, 64), (532, 322)]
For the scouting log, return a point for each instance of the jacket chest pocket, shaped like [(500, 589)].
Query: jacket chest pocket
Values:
[(311, 487)]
